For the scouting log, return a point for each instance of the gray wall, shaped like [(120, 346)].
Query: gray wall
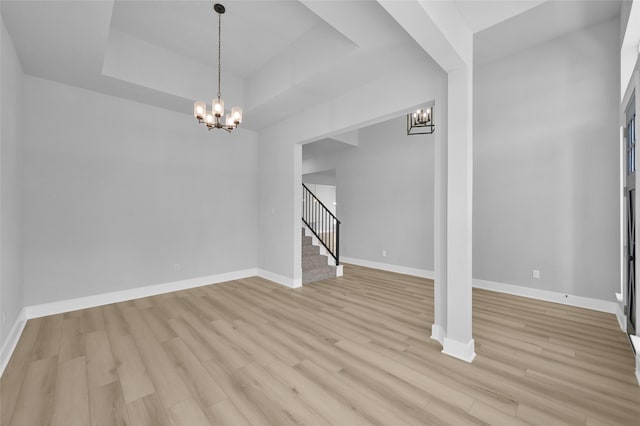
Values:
[(279, 156), (385, 195), (118, 193), (546, 166), (276, 189), (11, 282), (319, 178)]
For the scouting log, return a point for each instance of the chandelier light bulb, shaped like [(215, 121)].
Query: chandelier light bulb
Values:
[(199, 110), (236, 114), (218, 107)]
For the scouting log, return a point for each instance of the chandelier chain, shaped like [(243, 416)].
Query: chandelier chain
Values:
[(219, 48)]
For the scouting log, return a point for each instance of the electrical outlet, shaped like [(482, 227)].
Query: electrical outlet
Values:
[(536, 273), (384, 253), (176, 267)]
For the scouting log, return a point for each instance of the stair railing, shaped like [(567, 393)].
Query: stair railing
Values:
[(324, 224)]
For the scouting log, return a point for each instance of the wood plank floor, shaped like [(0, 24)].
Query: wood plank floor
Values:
[(347, 351)]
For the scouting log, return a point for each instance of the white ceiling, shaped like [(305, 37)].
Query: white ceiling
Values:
[(481, 14), (279, 57), (252, 31)]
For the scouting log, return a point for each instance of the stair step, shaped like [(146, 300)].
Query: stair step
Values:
[(319, 272), (310, 250), (314, 261), (315, 267), (317, 276)]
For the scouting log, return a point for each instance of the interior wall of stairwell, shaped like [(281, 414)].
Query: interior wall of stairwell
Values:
[(120, 195), (384, 195), (546, 166)]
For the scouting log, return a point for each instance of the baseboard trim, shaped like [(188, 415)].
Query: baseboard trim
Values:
[(280, 279), (517, 290), (548, 296), (620, 316), (62, 306), (422, 273), (463, 351), (635, 341), (437, 333), (12, 340), (58, 307)]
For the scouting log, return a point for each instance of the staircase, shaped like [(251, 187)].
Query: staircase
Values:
[(320, 240), (317, 264)]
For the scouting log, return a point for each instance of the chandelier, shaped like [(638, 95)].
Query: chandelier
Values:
[(421, 122), (214, 118)]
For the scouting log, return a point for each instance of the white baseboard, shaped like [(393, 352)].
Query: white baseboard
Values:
[(620, 316), (635, 341), (12, 340), (61, 306), (437, 333), (280, 279), (549, 296), (464, 351), (533, 293), (422, 273), (58, 307)]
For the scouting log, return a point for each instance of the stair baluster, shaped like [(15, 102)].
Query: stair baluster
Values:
[(322, 223)]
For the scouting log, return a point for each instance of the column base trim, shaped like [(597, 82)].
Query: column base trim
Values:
[(463, 351)]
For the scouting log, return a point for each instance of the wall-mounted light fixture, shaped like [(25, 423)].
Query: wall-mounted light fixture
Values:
[(421, 122)]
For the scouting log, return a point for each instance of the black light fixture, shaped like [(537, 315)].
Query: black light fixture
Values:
[(420, 122), (214, 118)]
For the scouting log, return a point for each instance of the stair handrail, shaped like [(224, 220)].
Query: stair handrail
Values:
[(323, 218)]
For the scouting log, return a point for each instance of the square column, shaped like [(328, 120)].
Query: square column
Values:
[(458, 341)]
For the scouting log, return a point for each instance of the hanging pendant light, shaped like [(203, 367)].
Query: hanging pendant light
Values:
[(214, 118)]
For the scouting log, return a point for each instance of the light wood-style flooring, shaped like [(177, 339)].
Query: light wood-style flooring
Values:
[(347, 351)]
